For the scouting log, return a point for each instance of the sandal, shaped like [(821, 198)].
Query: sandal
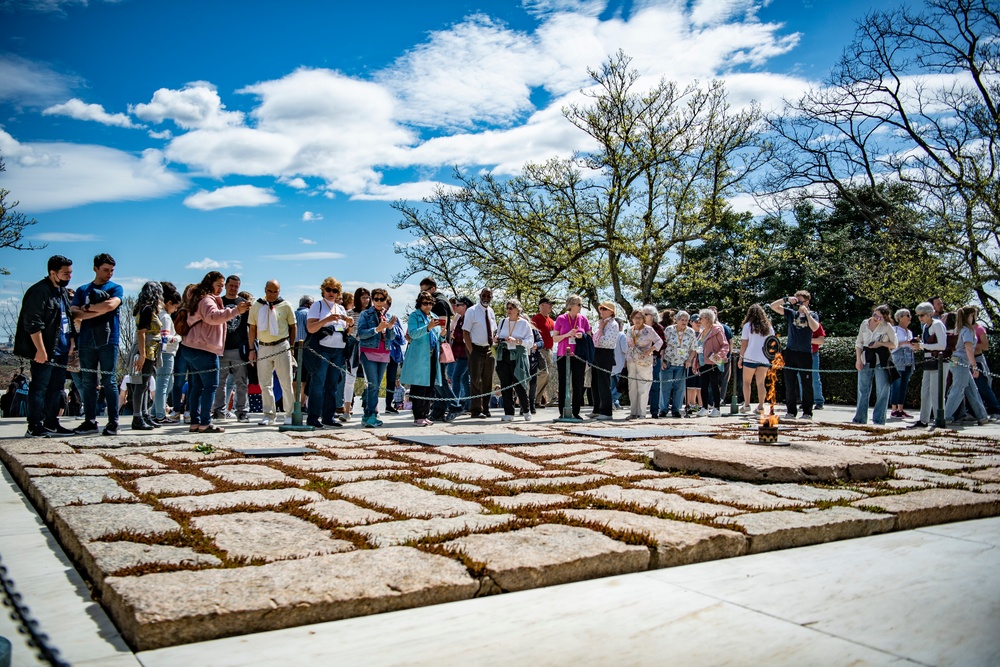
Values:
[(211, 428), (193, 428)]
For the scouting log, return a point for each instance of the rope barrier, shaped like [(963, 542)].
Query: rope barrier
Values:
[(27, 625)]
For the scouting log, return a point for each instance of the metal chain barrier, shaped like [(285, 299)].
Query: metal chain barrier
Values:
[(27, 625)]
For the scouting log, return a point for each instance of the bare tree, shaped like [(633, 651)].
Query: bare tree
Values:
[(13, 224)]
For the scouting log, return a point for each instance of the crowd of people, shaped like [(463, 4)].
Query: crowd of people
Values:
[(197, 353)]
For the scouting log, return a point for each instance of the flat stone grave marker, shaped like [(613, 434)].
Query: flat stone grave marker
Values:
[(471, 440), (637, 433), (259, 452)]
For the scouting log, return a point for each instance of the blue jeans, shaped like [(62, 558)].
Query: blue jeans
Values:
[(817, 382), (324, 378), (374, 372), (985, 389), (615, 394), (43, 393), (897, 394), (449, 405), (672, 380), (865, 378), (204, 380), (105, 357), (963, 387), (654, 390), (458, 373), (178, 400), (164, 383)]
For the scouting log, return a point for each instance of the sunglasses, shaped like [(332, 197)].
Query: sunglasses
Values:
[(378, 298), (331, 289), (423, 303)]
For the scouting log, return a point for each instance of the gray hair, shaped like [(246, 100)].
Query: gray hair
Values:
[(706, 315), (682, 313), (924, 308), (902, 312), (650, 309), (516, 304), (305, 301)]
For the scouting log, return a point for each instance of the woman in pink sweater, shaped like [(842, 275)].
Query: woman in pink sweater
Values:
[(203, 345)]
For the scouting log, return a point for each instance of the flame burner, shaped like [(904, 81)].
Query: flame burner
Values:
[(767, 432)]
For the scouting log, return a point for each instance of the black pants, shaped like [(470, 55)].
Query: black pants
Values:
[(419, 394), (44, 391), (600, 380), (578, 368), (796, 359), (140, 393), (505, 369), (481, 365), (711, 386), (391, 373)]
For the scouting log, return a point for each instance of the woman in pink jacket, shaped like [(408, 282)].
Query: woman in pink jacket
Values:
[(713, 350), (203, 345)]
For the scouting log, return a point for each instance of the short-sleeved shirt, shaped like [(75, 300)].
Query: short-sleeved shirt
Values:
[(321, 309), (475, 323), (284, 315), (755, 344), (544, 325), (799, 333), (678, 346), (104, 329), (564, 324), (819, 333), (966, 335), (236, 328)]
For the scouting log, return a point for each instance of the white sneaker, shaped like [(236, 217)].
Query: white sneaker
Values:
[(527, 416), (806, 417), (745, 409), (715, 413), (507, 418), (702, 413), (266, 421), (279, 420)]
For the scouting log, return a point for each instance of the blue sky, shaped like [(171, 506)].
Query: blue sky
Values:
[(268, 140)]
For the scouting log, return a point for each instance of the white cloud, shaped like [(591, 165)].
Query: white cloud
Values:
[(80, 110), (412, 191), (209, 264), (196, 106), (52, 176), (306, 241), (309, 216), (234, 195), (297, 183), (165, 134), (306, 256), (65, 237), (32, 83)]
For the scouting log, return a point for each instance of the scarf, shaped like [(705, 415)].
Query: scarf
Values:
[(266, 319)]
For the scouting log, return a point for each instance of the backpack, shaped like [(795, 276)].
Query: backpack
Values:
[(181, 325)]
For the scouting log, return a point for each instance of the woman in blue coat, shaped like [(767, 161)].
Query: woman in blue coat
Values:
[(422, 370)]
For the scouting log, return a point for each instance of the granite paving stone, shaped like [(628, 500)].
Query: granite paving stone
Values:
[(677, 542), (172, 608), (251, 474), (447, 484), (558, 480), (91, 522), (471, 471), (38, 446), (663, 502), (935, 478), (343, 476), (428, 457), (676, 483), (62, 461), (620, 468), (140, 461), (110, 557), (391, 533), (268, 535), (57, 472), (553, 450), (529, 500), (345, 513), (931, 506), (930, 462), (987, 475), (173, 484), (489, 457), (549, 554), (408, 499), (586, 457), (745, 495), (256, 498), (768, 531), (799, 462), (811, 494), (87, 490)]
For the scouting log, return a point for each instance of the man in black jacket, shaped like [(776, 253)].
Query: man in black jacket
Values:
[(45, 333)]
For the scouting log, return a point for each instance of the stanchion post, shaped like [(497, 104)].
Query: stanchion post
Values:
[(297, 424), (939, 419), (734, 405), (567, 413)]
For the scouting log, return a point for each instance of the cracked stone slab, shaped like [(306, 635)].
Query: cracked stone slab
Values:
[(472, 471), (268, 536), (84, 489), (799, 462), (391, 533), (91, 522), (677, 542), (932, 506), (257, 498), (408, 499), (110, 557), (250, 473), (166, 609), (550, 554), (448, 485), (529, 500), (531, 482), (344, 513), (768, 531), (488, 457), (746, 495), (670, 503), (810, 494), (173, 483)]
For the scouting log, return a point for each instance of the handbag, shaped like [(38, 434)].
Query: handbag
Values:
[(446, 355)]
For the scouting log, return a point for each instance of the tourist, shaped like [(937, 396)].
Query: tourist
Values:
[(873, 347), (605, 342), (95, 305), (376, 330), (756, 328), (904, 360), (170, 342), (692, 384), (536, 364), (422, 370), (676, 358), (203, 345), (362, 301), (543, 322), (800, 324), (713, 352), (395, 356), (568, 328), (45, 333), (652, 317), (326, 325), (460, 369), (181, 389), (234, 359), (145, 352), (643, 342), (621, 349), (933, 341), (272, 328), (478, 329), (983, 381), (446, 406), (514, 342), (964, 369)]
